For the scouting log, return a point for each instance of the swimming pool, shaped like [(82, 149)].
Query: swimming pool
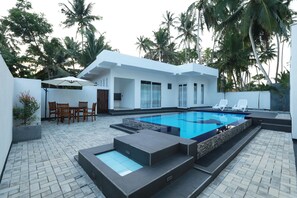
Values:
[(196, 124)]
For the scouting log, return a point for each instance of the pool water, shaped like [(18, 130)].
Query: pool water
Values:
[(118, 162), (193, 124)]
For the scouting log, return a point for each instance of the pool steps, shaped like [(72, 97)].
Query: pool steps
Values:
[(206, 169), (164, 158)]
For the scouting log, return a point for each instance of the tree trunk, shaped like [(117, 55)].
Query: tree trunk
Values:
[(282, 56), (160, 58), (185, 46), (256, 54), (214, 45), (198, 36), (277, 60)]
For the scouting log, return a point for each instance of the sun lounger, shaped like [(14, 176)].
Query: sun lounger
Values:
[(241, 105), (222, 104)]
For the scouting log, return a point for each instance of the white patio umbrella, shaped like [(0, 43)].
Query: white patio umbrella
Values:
[(66, 81), (69, 81)]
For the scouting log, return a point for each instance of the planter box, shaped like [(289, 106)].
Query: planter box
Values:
[(25, 133)]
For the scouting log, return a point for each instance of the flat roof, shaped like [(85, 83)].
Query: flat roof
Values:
[(108, 59)]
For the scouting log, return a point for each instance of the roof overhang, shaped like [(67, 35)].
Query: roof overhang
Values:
[(109, 59)]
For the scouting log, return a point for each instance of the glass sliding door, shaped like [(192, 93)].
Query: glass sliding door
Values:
[(145, 94), (195, 93), (182, 95), (156, 94), (202, 93), (150, 95)]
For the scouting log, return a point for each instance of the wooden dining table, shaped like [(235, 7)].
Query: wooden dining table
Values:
[(73, 110)]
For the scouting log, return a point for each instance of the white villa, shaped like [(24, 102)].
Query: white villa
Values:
[(127, 82)]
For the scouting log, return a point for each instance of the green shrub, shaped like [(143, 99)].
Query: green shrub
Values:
[(29, 106)]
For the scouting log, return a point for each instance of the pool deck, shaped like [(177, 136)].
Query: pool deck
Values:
[(266, 167)]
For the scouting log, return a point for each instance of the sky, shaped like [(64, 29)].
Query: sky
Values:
[(123, 20)]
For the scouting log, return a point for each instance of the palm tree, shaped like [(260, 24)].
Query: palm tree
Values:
[(161, 43), (72, 50), (93, 47), (169, 21), (186, 29), (259, 20), (205, 16), (80, 14), (143, 44)]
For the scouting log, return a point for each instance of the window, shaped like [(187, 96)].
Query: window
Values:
[(195, 93), (169, 86), (150, 94)]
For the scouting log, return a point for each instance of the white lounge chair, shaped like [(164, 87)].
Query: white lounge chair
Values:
[(241, 105), (222, 104)]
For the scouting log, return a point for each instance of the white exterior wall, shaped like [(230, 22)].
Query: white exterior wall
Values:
[(256, 99), (6, 104), (210, 89), (293, 81), (126, 88), (33, 86), (71, 96), (169, 98)]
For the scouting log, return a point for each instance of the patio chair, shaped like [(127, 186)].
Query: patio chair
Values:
[(52, 106), (64, 112), (82, 105), (90, 112), (222, 105), (241, 105)]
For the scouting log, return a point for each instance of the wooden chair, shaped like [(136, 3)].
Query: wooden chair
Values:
[(83, 106), (52, 106), (64, 112), (90, 112)]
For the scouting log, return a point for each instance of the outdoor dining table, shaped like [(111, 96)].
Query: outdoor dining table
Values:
[(74, 112)]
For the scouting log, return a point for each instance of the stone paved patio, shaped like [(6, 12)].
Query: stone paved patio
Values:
[(264, 168), (46, 167)]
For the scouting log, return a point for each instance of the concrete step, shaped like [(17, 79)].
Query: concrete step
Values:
[(188, 185), (149, 147), (205, 170), (277, 127)]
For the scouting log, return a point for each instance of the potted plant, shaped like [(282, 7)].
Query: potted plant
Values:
[(24, 116)]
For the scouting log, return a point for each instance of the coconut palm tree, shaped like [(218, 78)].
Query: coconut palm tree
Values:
[(186, 31), (72, 50), (79, 13), (205, 16), (169, 21), (261, 19), (93, 47), (143, 44), (161, 43)]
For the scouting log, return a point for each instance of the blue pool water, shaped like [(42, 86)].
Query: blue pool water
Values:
[(194, 124), (118, 162)]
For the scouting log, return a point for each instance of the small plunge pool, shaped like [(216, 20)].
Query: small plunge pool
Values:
[(118, 162)]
